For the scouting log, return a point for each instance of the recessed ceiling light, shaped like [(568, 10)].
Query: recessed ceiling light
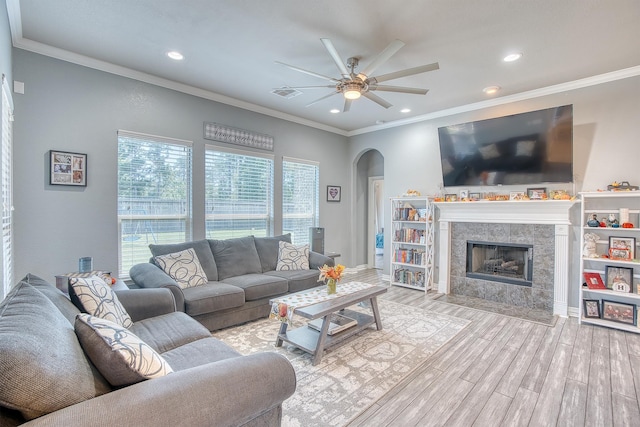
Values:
[(512, 57), (490, 90), (175, 55), (405, 110), (334, 111)]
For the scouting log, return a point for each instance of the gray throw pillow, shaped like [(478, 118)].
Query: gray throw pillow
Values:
[(120, 356), (236, 257), (268, 250), (42, 365), (203, 251)]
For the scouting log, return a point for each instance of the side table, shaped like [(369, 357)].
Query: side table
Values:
[(62, 280)]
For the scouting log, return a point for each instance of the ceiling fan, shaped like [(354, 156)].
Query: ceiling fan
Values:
[(352, 85)]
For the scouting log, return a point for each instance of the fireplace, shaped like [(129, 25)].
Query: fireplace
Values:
[(500, 262)]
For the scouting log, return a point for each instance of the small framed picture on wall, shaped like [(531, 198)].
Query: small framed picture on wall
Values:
[(334, 193), (67, 168)]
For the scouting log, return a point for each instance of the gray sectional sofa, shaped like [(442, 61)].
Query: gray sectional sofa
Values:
[(46, 379), (242, 278)]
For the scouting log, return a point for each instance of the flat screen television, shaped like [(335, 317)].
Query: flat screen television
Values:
[(528, 148)]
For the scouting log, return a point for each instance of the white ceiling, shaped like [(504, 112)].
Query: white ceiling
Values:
[(231, 47)]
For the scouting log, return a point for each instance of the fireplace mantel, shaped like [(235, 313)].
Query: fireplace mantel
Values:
[(508, 212), (549, 212)]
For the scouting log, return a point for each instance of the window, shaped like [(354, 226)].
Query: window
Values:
[(300, 195), (154, 195), (6, 183), (238, 194)]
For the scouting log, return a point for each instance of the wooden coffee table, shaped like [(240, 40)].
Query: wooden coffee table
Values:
[(315, 342)]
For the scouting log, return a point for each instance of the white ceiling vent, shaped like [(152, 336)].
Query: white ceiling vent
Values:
[(286, 92)]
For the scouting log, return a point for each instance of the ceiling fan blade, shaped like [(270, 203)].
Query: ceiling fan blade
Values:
[(382, 57), (320, 99), (311, 73), (306, 87), (336, 58), (377, 99), (405, 73), (347, 105), (401, 89)]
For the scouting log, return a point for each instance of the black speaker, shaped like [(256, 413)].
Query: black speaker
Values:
[(316, 239)]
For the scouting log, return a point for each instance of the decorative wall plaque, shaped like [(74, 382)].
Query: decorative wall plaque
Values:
[(216, 132)]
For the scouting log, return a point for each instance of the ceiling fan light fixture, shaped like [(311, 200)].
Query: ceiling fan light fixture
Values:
[(352, 90)]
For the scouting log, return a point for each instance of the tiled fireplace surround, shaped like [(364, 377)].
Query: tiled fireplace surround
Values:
[(544, 224)]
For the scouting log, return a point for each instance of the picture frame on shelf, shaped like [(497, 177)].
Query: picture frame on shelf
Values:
[(475, 196), (516, 195), (591, 308), (464, 194), (537, 193), (619, 279), (334, 193), (67, 168), (593, 280), (627, 244), (450, 197), (619, 312)]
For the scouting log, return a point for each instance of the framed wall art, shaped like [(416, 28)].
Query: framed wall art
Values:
[(67, 168), (334, 193), (619, 312), (591, 308), (622, 247), (619, 278)]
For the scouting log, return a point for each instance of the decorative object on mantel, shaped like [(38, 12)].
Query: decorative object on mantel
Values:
[(411, 193), (230, 135), (621, 186), (331, 276), (67, 168)]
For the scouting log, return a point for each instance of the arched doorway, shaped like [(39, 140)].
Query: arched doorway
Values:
[(369, 218)]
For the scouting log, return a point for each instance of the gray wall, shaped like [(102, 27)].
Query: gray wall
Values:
[(74, 108), (6, 63), (605, 147)]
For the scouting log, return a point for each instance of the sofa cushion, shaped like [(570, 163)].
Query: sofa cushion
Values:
[(267, 248), (198, 353), (235, 257), (169, 331), (299, 280), (42, 367), (214, 296), (98, 299), (202, 248), (55, 295), (183, 267), (119, 355), (292, 257), (258, 286)]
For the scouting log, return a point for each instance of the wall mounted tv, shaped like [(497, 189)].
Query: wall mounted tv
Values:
[(528, 148)]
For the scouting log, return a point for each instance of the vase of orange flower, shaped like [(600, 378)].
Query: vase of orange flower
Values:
[(331, 276)]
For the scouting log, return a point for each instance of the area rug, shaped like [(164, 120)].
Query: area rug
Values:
[(353, 375)]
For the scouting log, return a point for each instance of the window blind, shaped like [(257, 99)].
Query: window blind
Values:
[(238, 194), (300, 198), (6, 184), (154, 195)]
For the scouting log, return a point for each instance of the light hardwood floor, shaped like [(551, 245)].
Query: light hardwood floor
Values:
[(502, 371)]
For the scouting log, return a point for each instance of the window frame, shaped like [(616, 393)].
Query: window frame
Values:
[(315, 215)]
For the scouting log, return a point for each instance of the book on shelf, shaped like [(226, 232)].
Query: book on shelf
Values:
[(594, 280), (338, 323)]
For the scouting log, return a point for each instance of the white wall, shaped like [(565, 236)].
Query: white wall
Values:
[(6, 62), (73, 108), (605, 138)]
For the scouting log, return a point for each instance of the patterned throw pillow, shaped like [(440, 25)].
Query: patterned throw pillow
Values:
[(291, 257), (183, 267), (98, 299), (120, 356)]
